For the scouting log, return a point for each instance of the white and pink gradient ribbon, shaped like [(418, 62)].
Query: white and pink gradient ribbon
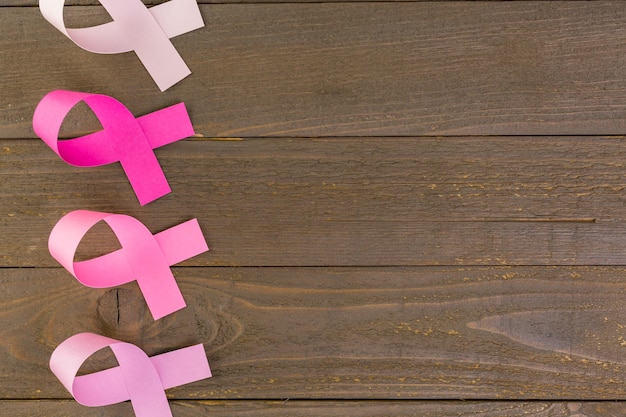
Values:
[(138, 378), (136, 28), (143, 257), (124, 138)]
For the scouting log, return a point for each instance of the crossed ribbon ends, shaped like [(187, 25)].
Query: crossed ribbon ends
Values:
[(143, 257), (138, 378), (136, 28), (124, 138)]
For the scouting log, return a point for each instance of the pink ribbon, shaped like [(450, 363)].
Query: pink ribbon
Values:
[(124, 138), (143, 257), (139, 378), (136, 28)]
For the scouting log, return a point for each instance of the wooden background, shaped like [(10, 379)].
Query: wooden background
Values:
[(413, 208)]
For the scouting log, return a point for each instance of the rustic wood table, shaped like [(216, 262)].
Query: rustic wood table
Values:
[(413, 209)]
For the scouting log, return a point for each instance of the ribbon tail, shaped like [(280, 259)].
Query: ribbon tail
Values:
[(182, 242), (177, 17), (182, 366), (167, 125)]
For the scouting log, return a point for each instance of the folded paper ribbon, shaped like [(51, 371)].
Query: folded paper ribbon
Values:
[(124, 138), (138, 378), (143, 257), (136, 28)]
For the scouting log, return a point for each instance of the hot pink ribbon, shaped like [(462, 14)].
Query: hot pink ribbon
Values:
[(143, 257), (138, 377), (136, 28), (124, 138)]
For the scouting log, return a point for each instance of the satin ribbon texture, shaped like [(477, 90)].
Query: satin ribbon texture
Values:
[(136, 28), (143, 257), (124, 138), (138, 378)]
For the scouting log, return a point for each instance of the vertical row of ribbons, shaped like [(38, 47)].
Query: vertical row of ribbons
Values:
[(144, 257)]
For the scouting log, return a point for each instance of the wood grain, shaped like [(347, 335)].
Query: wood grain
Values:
[(34, 3), (346, 69), (331, 408), (339, 333), (344, 202), (407, 204)]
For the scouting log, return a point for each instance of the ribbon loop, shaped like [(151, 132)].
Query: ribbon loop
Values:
[(144, 257), (136, 28), (124, 138), (138, 378)]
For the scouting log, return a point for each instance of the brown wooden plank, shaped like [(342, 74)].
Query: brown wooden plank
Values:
[(330, 408), (377, 201), (364, 69), (33, 3), (379, 333)]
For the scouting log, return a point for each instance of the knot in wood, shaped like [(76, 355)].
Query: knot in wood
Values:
[(123, 312)]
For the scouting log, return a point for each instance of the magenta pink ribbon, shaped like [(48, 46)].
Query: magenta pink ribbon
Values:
[(136, 28), (124, 138), (143, 257), (138, 378)]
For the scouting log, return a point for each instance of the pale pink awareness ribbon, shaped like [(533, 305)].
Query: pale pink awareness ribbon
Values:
[(143, 257), (136, 28), (124, 138), (138, 378)]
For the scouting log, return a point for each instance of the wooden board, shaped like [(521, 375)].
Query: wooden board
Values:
[(345, 202), (338, 333), (351, 69), (407, 204), (331, 408)]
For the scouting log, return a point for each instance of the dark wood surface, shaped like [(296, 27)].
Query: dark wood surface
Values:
[(413, 208), (374, 333), (348, 201), (333, 408), (353, 69)]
